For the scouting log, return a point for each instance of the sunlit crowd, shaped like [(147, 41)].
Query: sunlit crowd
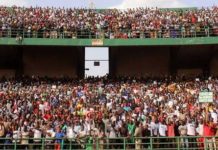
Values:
[(110, 23), (106, 110)]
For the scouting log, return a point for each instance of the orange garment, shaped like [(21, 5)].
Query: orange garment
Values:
[(170, 130), (57, 146)]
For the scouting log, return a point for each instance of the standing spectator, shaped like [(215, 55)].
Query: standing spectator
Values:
[(49, 135), (183, 134), (208, 133), (16, 135), (8, 141), (146, 133), (70, 134), (101, 139), (137, 135), (25, 138), (112, 136), (200, 132), (171, 133), (2, 133), (216, 140), (37, 135), (191, 132), (162, 133), (58, 138)]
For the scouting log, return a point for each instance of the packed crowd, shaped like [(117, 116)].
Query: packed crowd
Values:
[(109, 23), (78, 111)]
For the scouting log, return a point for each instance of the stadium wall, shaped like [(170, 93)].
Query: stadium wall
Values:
[(214, 64), (141, 61), (8, 61), (52, 61), (9, 73), (124, 60)]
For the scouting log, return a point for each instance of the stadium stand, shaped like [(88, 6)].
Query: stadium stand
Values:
[(111, 23), (146, 102), (102, 107)]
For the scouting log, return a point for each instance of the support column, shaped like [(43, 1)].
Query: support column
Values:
[(81, 62), (112, 63)]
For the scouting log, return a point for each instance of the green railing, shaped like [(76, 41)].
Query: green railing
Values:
[(107, 34), (88, 143)]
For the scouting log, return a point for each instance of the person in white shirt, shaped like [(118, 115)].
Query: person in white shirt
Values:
[(154, 127), (183, 134), (71, 134), (77, 128), (154, 130), (49, 135), (112, 135), (200, 132), (88, 125), (191, 128), (82, 133), (109, 104), (191, 131), (200, 128), (214, 116), (37, 135), (162, 129), (41, 107), (81, 136), (162, 132), (16, 135), (25, 138)]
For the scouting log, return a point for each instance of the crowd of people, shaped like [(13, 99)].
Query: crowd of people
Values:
[(108, 23), (99, 110)]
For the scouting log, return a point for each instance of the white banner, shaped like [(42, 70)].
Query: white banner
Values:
[(206, 97)]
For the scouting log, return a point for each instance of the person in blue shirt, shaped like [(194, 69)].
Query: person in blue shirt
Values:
[(8, 141), (59, 135)]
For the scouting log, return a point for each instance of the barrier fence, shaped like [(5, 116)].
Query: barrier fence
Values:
[(89, 143), (107, 34)]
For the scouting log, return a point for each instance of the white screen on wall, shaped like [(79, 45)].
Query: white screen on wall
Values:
[(96, 54)]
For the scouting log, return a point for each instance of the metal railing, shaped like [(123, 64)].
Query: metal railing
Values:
[(88, 143), (105, 34)]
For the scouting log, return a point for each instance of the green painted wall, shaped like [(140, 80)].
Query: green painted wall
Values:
[(111, 42)]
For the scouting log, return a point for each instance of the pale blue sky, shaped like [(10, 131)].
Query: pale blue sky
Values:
[(111, 3)]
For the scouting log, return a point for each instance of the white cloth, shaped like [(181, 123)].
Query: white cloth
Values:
[(16, 135), (214, 116), (200, 129), (162, 129), (77, 129), (112, 133), (82, 133), (37, 135), (25, 138), (183, 130), (50, 134), (41, 107), (70, 133), (154, 129), (191, 129)]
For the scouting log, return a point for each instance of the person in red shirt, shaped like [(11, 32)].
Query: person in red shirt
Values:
[(171, 133), (208, 133)]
